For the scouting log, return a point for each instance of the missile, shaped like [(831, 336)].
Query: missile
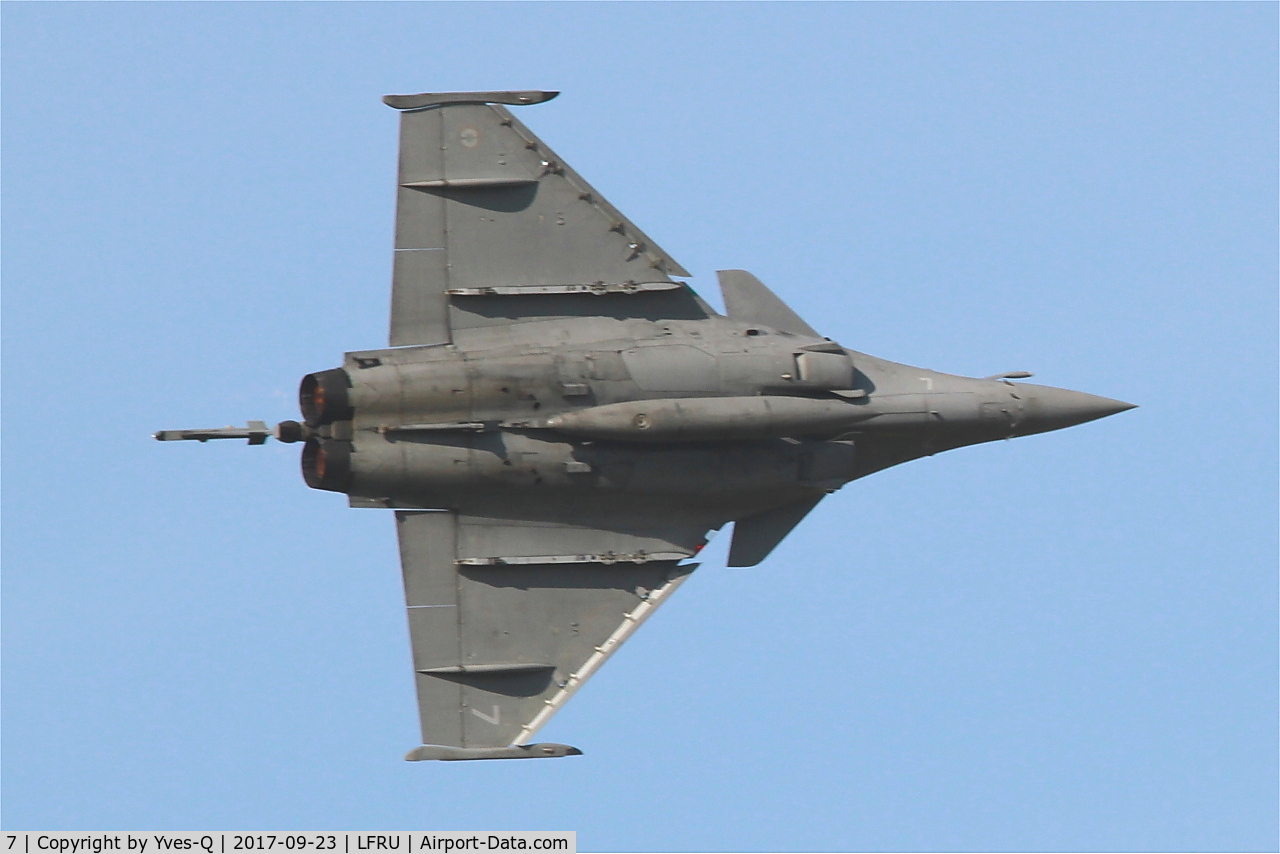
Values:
[(257, 433)]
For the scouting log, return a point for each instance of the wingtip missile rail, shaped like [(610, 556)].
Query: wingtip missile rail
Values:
[(516, 751)]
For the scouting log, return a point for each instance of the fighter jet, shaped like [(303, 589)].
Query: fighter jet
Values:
[(560, 420)]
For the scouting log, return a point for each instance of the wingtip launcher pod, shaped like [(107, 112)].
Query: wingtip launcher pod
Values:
[(423, 100)]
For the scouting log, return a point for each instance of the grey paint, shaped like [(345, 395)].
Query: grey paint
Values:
[(748, 300), (756, 536), (496, 642), (559, 423), (484, 203), (433, 99), (524, 751)]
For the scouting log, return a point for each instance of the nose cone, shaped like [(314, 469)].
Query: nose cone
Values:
[(1047, 408)]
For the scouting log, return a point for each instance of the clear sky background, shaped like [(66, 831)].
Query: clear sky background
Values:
[(1065, 642)]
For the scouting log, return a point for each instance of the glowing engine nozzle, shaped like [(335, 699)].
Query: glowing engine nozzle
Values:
[(323, 397), (326, 464)]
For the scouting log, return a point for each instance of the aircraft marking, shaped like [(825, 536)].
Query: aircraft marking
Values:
[(495, 719)]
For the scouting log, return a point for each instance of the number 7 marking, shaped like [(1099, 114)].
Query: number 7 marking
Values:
[(495, 718)]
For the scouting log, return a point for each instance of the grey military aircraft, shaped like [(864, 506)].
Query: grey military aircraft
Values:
[(560, 421)]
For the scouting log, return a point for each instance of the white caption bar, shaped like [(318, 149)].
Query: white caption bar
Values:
[(231, 842)]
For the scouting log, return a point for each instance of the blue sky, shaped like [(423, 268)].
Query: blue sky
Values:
[(1065, 642)]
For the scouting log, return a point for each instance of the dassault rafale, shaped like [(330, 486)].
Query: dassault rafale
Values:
[(560, 420)]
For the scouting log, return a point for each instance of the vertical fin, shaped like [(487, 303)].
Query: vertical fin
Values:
[(756, 536), (747, 299)]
